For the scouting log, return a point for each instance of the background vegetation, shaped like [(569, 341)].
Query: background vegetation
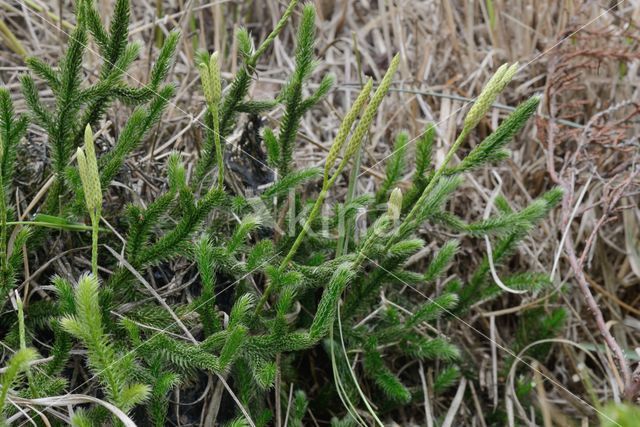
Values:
[(567, 191)]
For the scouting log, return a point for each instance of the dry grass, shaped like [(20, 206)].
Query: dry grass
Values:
[(583, 57)]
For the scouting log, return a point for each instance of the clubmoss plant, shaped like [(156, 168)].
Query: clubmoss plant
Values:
[(12, 130), (90, 176), (17, 364), (212, 87), (111, 368), (204, 284)]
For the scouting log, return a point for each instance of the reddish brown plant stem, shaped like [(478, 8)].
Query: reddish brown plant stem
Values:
[(631, 381)]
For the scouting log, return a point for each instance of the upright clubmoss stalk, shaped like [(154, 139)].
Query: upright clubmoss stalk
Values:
[(209, 68), (351, 149), (272, 36), (216, 85), (483, 103), (349, 225), (240, 85), (3, 212), (88, 167)]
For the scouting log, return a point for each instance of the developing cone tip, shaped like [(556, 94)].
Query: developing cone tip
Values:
[(491, 90), (394, 207), (345, 126), (89, 174)]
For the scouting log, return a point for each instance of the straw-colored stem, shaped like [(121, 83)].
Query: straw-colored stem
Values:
[(159, 35), (13, 43), (33, 5), (75, 227)]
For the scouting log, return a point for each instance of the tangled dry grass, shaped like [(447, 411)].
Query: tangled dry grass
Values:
[(584, 56)]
